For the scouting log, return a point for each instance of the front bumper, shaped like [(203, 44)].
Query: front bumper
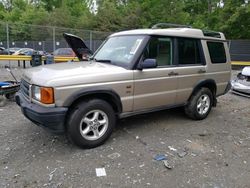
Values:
[(52, 118), (240, 88)]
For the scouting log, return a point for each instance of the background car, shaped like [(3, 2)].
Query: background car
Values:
[(78, 46), (13, 50), (241, 84), (64, 52), (43, 53), (3, 51), (24, 51)]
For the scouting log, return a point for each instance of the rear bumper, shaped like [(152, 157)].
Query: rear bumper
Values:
[(52, 118)]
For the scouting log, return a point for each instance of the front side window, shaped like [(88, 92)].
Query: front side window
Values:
[(188, 51), (119, 50), (160, 49), (217, 52)]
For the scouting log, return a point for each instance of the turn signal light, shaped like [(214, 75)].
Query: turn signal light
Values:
[(47, 95)]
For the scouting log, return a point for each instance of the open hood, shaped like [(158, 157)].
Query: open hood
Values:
[(78, 46)]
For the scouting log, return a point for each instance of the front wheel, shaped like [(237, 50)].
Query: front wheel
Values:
[(10, 96), (200, 104), (91, 123)]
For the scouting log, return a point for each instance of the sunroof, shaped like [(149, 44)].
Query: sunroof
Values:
[(211, 34)]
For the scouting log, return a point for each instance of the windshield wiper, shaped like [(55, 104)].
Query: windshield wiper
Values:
[(103, 60)]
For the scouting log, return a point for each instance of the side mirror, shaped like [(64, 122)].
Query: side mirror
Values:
[(147, 63)]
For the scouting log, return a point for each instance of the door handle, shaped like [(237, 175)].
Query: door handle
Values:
[(201, 71), (172, 73)]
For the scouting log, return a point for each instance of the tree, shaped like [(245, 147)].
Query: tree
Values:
[(229, 16)]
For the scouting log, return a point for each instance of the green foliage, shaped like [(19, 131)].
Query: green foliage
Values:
[(113, 15)]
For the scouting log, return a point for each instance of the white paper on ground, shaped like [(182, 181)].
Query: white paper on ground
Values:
[(100, 172)]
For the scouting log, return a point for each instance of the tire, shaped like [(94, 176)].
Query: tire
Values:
[(11, 96), (200, 104), (90, 123)]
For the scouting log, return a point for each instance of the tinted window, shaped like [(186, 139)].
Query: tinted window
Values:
[(159, 49), (217, 52), (188, 50)]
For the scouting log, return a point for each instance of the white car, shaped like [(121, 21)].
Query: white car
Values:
[(241, 85)]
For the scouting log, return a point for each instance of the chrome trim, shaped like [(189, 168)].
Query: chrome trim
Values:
[(30, 93)]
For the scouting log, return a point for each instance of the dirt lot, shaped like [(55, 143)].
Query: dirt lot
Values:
[(214, 152)]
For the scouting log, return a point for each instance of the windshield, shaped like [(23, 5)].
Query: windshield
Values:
[(119, 50)]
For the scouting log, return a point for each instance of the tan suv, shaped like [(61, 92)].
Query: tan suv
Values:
[(133, 72)]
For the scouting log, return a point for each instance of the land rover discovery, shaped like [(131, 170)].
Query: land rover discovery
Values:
[(133, 72)]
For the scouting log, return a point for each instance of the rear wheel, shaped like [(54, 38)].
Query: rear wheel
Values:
[(91, 123), (200, 104)]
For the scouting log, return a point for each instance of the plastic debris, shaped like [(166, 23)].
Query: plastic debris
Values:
[(114, 155), (142, 165), (16, 175), (51, 174), (182, 154), (172, 148), (194, 154), (100, 172), (160, 157), (167, 165)]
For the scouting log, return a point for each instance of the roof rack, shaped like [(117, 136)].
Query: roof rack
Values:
[(208, 33), (168, 25)]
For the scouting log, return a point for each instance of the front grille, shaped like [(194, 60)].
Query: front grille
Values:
[(25, 88)]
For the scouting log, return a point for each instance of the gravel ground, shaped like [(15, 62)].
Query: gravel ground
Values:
[(214, 152)]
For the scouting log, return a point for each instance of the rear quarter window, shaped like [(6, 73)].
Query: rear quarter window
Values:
[(217, 52)]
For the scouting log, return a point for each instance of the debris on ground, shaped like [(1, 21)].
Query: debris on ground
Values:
[(114, 155), (160, 157), (100, 172), (167, 165), (172, 148), (16, 175), (164, 159), (51, 174), (182, 153)]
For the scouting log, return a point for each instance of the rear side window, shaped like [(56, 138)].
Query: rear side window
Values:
[(217, 52), (188, 50)]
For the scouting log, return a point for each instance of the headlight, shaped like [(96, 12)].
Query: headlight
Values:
[(36, 94), (43, 94)]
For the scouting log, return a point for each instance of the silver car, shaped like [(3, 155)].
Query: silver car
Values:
[(241, 84)]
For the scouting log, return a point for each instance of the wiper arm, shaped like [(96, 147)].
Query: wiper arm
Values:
[(103, 60)]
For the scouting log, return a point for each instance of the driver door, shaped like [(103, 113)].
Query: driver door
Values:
[(156, 87)]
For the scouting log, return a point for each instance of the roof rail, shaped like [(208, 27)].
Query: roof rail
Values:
[(208, 33), (168, 25)]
